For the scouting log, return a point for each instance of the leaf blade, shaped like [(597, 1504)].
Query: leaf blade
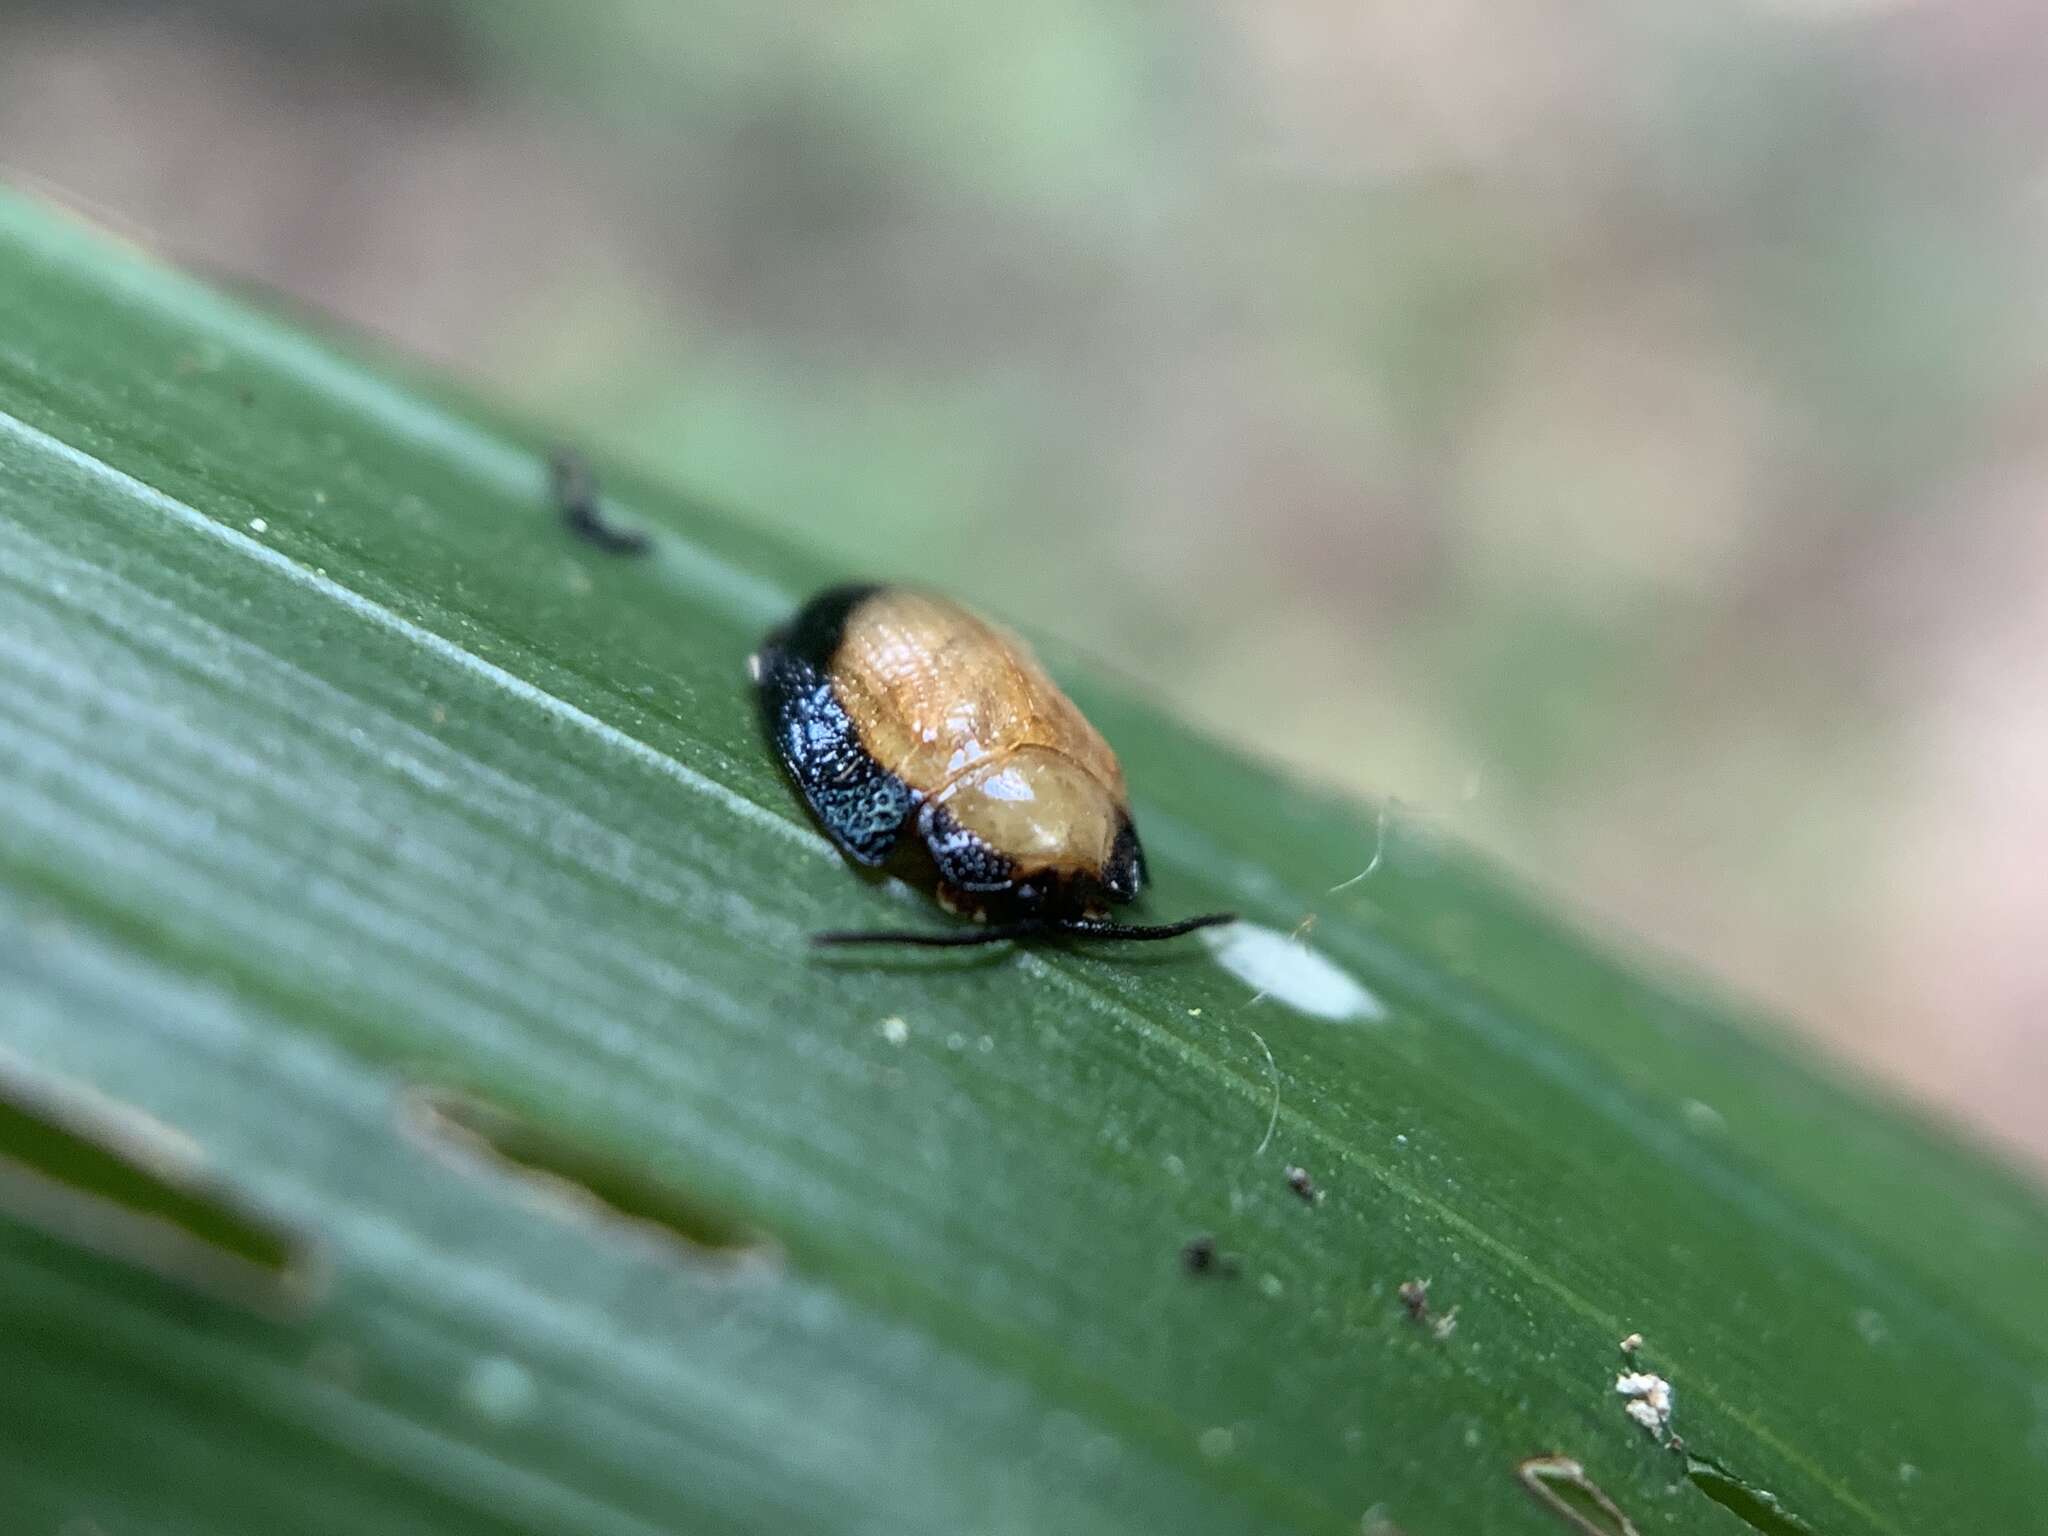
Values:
[(403, 786)]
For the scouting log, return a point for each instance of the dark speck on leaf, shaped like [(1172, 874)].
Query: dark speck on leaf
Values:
[(576, 498), (1200, 1256), (1304, 1186), (1414, 1296)]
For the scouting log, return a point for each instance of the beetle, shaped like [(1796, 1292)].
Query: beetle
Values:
[(911, 725)]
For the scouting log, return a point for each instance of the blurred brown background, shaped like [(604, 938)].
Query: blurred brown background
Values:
[(1620, 432)]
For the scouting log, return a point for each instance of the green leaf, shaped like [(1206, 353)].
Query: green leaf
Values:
[(418, 874)]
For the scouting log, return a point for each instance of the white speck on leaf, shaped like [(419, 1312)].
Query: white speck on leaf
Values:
[(500, 1390), (894, 1030), (1285, 968), (1649, 1399), (1703, 1118)]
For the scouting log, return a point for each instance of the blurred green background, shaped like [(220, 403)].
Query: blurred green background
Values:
[(1620, 434)]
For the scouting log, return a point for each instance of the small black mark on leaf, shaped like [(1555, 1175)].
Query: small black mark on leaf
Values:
[(1199, 1255), (576, 496), (1561, 1486), (1756, 1507), (581, 1181), (109, 1178)]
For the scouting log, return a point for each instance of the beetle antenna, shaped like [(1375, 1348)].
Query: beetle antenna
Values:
[(1075, 928), (1083, 929), (926, 939)]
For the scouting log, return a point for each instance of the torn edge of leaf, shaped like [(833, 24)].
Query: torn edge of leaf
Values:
[(1546, 1476), (112, 1179)]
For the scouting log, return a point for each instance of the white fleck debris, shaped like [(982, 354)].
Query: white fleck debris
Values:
[(1269, 1287), (1446, 1325), (1649, 1399), (1645, 1415), (1173, 1165), (754, 667), (1194, 1013), (956, 1041), (500, 1390), (1907, 1472), (1400, 1138), (1217, 1443), (894, 1030), (1870, 1326), (1703, 1117), (986, 1044), (1281, 966), (1632, 1343), (258, 525)]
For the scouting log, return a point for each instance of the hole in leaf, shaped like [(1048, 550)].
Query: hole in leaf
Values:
[(107, 1177), (580, 1181), (1560, 1485), (1756, 1507)]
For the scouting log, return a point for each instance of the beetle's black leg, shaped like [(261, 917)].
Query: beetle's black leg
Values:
[(575, 492)]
